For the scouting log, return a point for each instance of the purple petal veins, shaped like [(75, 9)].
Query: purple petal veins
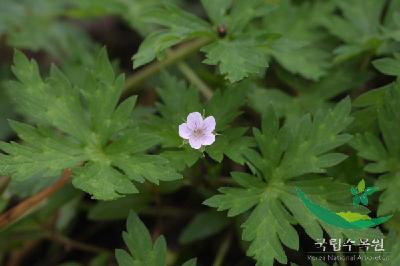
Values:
[(199, 131), (194, 120)]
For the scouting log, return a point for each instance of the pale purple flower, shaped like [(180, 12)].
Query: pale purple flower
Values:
[(199, 131)]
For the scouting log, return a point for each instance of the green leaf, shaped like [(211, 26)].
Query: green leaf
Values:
[(243, 12), (191, 262), (43, 152), (105, 150), (266, 227), (302, 49), (358, 27), (36, 26), (318, 136), (236, 59), (384, 157), (233, 144), (388, 66), (250, 51), (177, 20), (54, 103), (123, 258), (102, 181), (176, 109), (225, 105), (294, 61), (6, 112), (279, 167), (154, 45), (179, 25), (203, 225), (142, 251), (366, 115), (216, 10), (237, 200), (154, 168)]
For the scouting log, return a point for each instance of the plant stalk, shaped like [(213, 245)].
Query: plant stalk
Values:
[(22, 208), (175, 55), (223, 250), (195, 80)]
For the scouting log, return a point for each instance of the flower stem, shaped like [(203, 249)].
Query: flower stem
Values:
[(223, 249), (175, 55), (195, 79)]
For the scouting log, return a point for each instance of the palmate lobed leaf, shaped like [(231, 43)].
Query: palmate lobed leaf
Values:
[(358, 26), (384, 156), (236, 57), (43, 153), (216, 10), (141, 248), (180, 25), (301, 40), (316, 138), (270, 191), (83, 128)]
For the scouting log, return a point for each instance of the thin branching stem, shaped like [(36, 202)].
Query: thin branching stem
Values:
[(174, 56), (223, 250), (188, 72)]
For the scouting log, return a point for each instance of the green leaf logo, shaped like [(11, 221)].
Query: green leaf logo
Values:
[(361, 186), (360, 194), (347, 220)]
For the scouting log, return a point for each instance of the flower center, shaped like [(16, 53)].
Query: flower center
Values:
[(197, 132)]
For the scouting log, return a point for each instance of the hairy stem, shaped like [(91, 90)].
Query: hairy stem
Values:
[(195, 80), (175, 55), (23, 207)]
